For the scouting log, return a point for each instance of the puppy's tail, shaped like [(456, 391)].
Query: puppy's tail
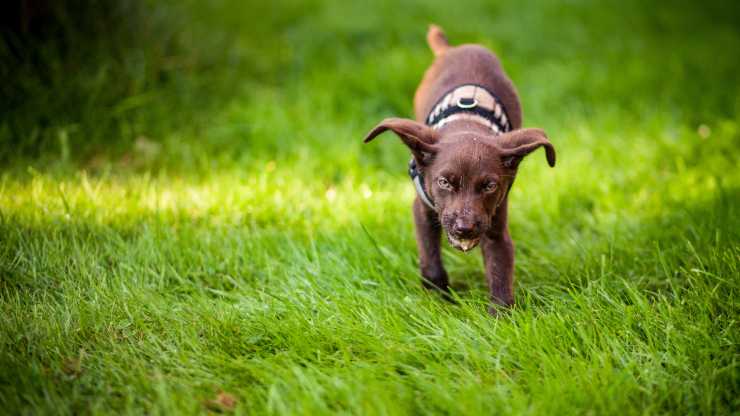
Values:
[(437, 40)]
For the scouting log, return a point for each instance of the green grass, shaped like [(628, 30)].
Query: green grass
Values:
[(186, 208)]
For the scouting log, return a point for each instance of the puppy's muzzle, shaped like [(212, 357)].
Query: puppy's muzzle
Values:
[(464, 234)]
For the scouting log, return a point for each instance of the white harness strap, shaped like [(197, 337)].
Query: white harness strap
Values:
[(422, 193), (470, 102)]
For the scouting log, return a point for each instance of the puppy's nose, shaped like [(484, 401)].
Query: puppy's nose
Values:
[(464, 228)]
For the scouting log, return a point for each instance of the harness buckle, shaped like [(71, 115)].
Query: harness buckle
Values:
[(467, 102)]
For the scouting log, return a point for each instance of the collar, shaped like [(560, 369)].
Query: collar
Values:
[(466, 102)]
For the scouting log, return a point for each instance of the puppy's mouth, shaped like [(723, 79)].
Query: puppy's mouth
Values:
[(463, 244)]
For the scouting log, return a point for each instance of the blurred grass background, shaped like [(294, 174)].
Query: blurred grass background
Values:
[(186, 208)]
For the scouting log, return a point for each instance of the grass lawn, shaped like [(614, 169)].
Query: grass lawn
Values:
[(189, 221)]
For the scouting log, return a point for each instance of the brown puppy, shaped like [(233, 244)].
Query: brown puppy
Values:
[(466, 143)]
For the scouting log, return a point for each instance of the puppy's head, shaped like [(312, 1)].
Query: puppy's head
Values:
[(467, 174)]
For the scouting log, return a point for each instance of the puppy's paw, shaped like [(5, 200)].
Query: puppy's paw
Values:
[(435, 278), (441, 287), (499, 311), (435, 284)]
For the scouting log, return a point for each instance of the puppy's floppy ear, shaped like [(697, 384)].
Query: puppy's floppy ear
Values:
[(419, 138), (519, 143)]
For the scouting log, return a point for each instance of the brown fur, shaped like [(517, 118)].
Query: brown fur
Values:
[(468, 171)]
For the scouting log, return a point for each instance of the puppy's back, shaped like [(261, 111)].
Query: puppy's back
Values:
[(464, 64)]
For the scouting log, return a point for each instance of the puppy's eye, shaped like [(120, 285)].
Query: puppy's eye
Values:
[(444, 183), (489, 186)]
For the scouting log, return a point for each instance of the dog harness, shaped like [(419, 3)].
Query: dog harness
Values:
[(465, 102)]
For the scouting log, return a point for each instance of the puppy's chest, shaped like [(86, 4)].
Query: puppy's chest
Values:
[(470, 102)]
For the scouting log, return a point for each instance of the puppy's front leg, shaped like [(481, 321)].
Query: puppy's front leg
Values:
[(428, 232), (498, 256)]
